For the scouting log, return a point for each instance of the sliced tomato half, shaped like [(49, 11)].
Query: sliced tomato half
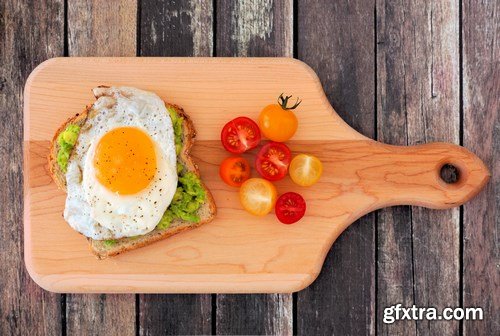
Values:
[(234, 171), (239, 135), (290, 208), (273, 160)]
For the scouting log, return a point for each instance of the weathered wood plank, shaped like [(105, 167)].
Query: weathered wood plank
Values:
[(336, 40), (254, 28), (175, 314), (176, 28), (29, 34), (434, 115), (418, 101), (257, 314), (101, 28), (180, 28), (100, 314), (481, 92), (394, 249)]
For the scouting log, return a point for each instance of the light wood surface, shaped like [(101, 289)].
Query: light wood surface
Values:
[(237, 252)]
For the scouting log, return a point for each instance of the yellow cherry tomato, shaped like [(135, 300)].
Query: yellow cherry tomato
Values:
[(305, 170), (277, 121), (258, 196)]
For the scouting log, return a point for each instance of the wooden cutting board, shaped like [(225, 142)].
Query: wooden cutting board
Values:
[(237, 252)]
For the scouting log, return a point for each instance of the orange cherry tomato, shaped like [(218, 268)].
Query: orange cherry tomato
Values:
[(277, 121), (234, 171)]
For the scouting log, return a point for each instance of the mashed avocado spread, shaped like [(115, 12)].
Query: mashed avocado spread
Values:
[(177, 125), (189, 195), (66, 140)]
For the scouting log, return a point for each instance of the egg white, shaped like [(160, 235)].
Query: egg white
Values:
[(90, 207)]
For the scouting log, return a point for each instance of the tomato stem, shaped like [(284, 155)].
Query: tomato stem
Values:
[(283, 102)]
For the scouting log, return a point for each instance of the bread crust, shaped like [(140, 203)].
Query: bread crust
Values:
[(102, 250)]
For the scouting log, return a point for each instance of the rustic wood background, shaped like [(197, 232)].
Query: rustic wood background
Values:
[(403, 72)]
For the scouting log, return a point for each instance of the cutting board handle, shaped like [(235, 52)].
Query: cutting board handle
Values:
[(411, 175)]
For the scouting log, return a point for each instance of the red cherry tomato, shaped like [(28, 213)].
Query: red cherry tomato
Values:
[(290, 208), (234, 171), (239, 135), (273, 160)]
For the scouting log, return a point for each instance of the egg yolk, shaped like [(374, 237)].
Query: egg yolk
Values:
[(125, 160)]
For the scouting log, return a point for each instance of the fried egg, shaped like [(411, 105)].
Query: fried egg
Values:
[(121, 175)]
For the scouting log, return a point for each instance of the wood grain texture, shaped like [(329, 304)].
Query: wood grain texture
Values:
[(26, 308), (100, 314), (176, 28), (29, 34), (342, 299), (101, 28), (258, 314), (254, 28), (371, 175), (418, 101), (175, 314), (481, 92)]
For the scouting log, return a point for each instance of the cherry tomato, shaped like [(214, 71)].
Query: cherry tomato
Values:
[(240, 135), (290, 208), (305, 170), (258, 196), (234, 171), (277, 121), (272, 161)]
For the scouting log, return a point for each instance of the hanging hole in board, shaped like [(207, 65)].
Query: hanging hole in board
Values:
[(449, 173)]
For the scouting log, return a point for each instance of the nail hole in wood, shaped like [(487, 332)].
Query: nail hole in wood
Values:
[(449, 173)]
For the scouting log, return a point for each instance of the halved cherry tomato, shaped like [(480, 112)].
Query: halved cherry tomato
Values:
[(240, 135), (258, 196), (272, 161), (234, 171), (277, 121), (305, 170), (290, 208)]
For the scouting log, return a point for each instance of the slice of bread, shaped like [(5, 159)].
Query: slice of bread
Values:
[(103, 249)]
